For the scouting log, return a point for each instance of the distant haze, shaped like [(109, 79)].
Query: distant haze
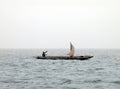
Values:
[(54, 23)]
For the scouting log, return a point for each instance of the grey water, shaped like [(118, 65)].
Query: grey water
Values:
[(20, 70)]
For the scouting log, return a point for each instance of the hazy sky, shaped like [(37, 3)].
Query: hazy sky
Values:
[(54, 23)]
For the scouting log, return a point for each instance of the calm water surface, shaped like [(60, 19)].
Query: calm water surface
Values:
[(19, 70)]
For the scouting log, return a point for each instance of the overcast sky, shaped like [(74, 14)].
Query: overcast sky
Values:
[(54, 23)]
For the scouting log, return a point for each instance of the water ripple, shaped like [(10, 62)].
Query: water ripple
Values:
[(93, 81)]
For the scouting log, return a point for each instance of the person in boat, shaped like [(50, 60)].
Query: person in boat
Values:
[(44, 54)]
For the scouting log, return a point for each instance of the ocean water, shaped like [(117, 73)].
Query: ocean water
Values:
[(20, 70)]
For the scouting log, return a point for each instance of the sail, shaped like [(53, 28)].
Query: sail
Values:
[(72, 50)]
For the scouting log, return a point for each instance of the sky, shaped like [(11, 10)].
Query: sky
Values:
[(56, 23)]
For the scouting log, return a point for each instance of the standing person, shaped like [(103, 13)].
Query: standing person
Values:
[(44, 54)]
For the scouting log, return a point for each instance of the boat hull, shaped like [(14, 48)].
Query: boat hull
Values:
[(64, 57)]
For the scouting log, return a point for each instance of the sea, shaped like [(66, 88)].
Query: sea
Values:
[(20, 70)]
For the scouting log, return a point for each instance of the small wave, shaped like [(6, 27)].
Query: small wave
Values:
[(99, 68), (93, 81), (66, 81), (116, 82), (10, 81)]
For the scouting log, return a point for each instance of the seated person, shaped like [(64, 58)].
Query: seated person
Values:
[(44, 53)]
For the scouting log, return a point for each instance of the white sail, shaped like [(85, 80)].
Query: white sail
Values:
[(72, 51)]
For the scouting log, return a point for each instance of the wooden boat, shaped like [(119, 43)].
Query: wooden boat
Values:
[(70, 57), (64, 57)]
